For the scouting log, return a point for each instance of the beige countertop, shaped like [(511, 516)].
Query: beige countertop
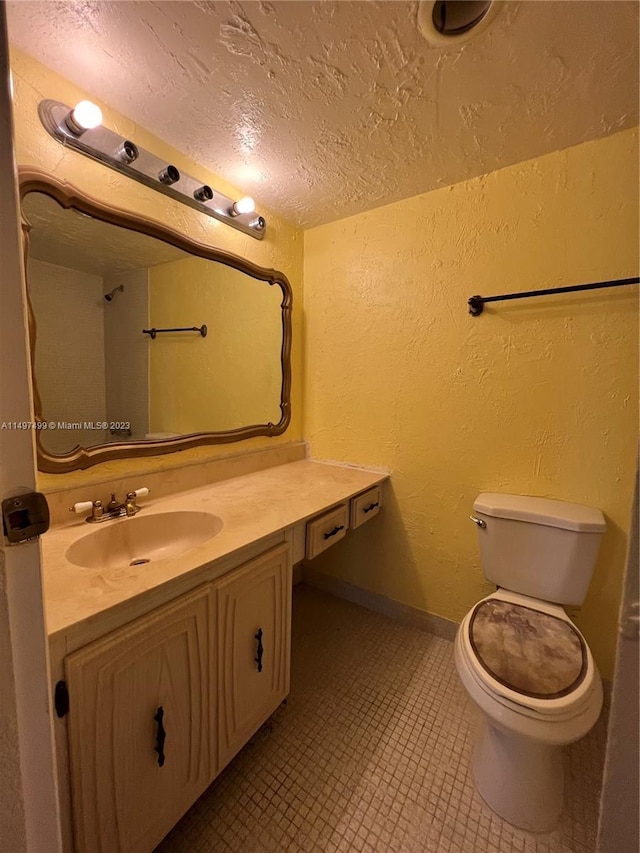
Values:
[(252, 507)]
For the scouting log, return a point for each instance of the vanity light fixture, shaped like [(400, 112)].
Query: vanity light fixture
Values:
[(82, 130), (84, 116), (243, 205)]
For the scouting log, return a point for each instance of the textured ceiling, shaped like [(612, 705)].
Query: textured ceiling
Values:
[(324, 109), (71, 239)]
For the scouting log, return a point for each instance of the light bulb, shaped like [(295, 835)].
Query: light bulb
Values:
[(243, 205), (84, 116)]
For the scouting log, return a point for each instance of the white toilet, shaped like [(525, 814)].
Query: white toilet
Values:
[(522, 660)]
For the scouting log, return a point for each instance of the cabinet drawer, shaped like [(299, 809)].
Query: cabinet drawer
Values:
[(365, 506), (326, 530)]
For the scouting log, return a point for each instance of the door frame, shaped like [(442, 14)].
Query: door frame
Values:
[(29, 809)]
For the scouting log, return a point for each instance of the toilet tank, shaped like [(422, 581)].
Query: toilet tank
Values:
[(539, 547)]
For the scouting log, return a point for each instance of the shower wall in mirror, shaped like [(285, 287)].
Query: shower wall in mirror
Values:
[(106, 389)]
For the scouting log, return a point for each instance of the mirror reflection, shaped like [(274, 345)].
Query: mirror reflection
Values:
[(94, 286)]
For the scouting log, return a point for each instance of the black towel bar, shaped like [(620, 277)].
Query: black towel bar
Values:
[(476, 303), (153, 332)]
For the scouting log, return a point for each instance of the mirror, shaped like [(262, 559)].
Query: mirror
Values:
[(143, 341)]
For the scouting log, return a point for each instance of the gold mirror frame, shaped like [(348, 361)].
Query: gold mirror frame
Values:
[(70, 198)]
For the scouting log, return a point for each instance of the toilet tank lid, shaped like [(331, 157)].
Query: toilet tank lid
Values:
[(553, 513)]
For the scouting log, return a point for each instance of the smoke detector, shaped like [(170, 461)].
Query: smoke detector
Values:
[(447, 23)]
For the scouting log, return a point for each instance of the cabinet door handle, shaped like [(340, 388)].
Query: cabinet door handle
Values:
[(160, 736), (334, 531), (371, 506), (258, 657)]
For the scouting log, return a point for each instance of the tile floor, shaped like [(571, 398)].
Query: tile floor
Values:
[(371, 753)]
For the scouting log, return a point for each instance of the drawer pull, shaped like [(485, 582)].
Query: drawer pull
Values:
[(370, 507), (333, 532), (258, 657), (160, 736)]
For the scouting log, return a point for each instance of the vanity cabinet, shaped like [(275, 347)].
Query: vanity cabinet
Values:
[(129, 785), (204, 637), (161, 705), (254, 642)]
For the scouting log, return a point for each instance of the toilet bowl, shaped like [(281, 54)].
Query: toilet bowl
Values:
[(524, 664), (517, 761)]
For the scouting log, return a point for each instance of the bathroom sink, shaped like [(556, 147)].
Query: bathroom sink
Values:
[(143, 539)]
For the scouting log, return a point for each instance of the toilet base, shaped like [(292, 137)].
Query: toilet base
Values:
[(520, 779)]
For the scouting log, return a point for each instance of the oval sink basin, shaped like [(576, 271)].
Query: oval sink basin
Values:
[(143, 539)]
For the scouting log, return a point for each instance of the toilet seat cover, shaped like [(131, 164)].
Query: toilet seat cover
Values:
[(528, 651)]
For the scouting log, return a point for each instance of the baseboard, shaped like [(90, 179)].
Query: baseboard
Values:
[(437, 625)]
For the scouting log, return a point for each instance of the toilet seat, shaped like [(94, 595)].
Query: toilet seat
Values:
[(528, 651), (567, 703)]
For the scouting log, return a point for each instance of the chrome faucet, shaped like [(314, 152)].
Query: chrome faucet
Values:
[(128, 507), (114, 509)]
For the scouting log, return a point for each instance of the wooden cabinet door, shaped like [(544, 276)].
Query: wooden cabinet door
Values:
[(254, 612), (123, 800)]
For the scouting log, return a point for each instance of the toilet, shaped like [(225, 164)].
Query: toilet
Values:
[(521, 659)]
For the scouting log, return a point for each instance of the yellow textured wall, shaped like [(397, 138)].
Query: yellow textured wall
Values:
[(232, 378), (536, 397), (281, 248)]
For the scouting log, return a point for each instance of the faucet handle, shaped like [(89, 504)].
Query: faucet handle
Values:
[(137, 493), (85, 506), (131, 507), (81, 506)]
